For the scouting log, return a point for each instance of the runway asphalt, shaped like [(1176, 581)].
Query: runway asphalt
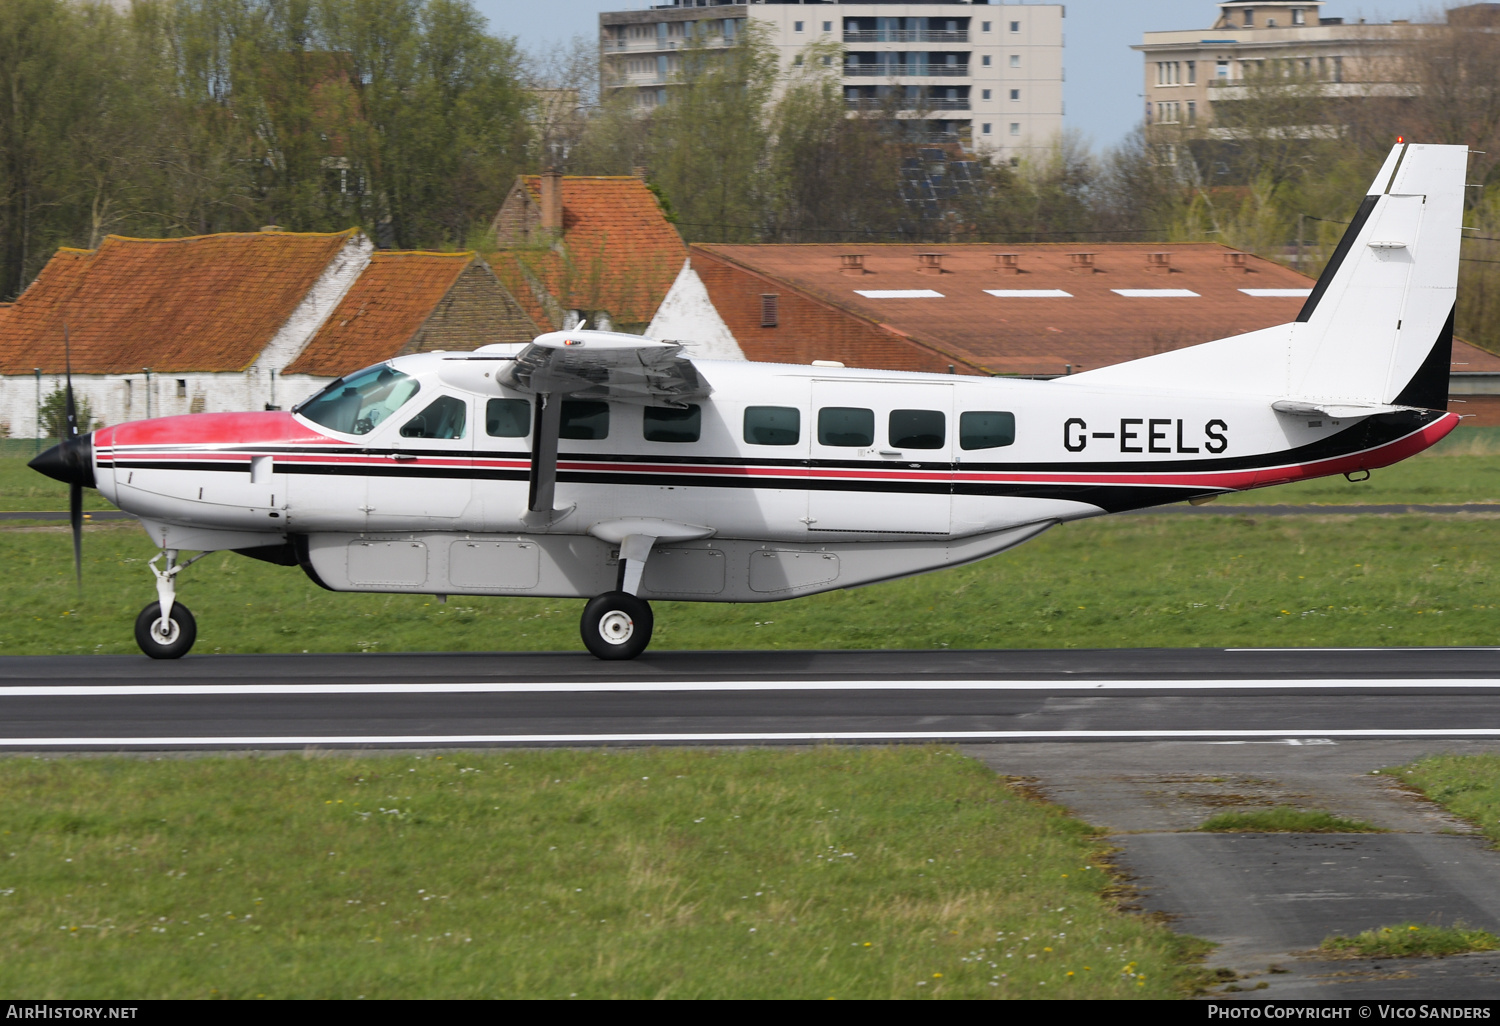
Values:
[(1306, 696)]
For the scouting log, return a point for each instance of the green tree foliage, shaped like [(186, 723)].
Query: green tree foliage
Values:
[(707, 145), (54, 414), (746, 151), (189, 116), (833, 177)]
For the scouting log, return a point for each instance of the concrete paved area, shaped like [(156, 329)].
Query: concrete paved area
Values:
[(1268, 899)]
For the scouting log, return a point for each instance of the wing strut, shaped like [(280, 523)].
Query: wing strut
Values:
[(547, 422)]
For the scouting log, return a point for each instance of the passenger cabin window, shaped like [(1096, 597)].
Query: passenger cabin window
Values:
[(507, 418), (773, 425), (356, 405), (584, 419), (445, 417), (846, 425), (667, 424), (917, 429), (986, 429)]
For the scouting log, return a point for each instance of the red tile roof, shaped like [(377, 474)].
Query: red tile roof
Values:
[(1470, 359), (1094, 326), (381, 312), (619, 253), (206, 303)]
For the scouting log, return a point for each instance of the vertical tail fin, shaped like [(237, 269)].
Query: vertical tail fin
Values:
[(1377, 329)]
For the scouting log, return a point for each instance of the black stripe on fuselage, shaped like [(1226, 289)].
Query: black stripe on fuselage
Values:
[(1370, 433)]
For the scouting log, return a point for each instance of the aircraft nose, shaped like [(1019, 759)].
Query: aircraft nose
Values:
[(70, 461)]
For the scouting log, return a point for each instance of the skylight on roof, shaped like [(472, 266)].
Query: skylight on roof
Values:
[(1030, 293), (1278, 293), (898, 293), (1156, 293)]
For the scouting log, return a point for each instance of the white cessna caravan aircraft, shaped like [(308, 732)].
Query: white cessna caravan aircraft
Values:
[(612, 467)]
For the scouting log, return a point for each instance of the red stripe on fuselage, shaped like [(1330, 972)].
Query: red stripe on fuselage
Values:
[(1234, 480)]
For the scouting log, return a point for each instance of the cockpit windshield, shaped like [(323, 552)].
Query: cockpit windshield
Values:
[(357, 404)]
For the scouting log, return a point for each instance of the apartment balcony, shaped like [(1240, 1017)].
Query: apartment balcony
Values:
[(898, 70), (904, 36), (644, 78), (904, 103), (1243, 89), (660, 45)]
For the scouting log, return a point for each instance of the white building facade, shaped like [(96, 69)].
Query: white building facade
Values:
[(986, 77)]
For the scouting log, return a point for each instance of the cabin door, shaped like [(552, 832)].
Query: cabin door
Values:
[(428, 477), (882, 459)]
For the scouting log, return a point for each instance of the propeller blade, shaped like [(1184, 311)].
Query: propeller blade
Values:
[(75, 518), (71, 406)]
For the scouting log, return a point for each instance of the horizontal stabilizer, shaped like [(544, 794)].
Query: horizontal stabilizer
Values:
[(1334, 410)]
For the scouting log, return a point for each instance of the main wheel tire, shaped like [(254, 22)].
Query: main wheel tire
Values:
[(616, 625), (183, 632)]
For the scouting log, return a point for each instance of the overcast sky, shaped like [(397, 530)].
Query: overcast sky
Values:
[(1104, 76)]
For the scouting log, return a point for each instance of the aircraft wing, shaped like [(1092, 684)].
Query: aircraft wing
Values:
[(607, 366), (601, 365)]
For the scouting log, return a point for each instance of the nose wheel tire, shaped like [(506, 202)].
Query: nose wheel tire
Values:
[(182, 631), (616, 625)]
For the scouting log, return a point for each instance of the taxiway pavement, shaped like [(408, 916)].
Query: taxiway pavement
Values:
[(1268, 900)]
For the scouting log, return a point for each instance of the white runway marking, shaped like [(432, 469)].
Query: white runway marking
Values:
[(578, 687), (1374, 648), (424, 740)]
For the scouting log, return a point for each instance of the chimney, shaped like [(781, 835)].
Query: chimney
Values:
[(1235, 263), (929, 263), (551, 200), (1159, 263), (1008, 263), (852, 264), (1081, 263), (639, 171)]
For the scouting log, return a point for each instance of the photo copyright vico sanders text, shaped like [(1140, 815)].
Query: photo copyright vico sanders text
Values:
[(1359, 1011)]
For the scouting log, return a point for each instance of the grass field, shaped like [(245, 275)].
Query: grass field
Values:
[(1115, 582), (1409, 940), (1118, 582), (1285, 819), (852, 873), (1466, 785)]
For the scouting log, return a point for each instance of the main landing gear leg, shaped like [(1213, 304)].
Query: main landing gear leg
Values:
[(166, 628), (617, 625)]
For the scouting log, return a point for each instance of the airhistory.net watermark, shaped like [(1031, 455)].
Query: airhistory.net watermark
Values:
[(44, 1010)]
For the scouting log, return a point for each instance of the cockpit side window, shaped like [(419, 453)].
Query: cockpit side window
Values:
[(356, 405), (445, 417)]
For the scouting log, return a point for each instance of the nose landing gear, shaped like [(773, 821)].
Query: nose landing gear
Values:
[(166, 628)]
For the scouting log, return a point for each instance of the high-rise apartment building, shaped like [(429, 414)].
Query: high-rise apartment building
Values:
[(1256, 44), (987, 77)]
